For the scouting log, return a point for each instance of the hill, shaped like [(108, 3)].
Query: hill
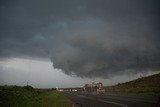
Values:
[(27, 96), (144, 85)]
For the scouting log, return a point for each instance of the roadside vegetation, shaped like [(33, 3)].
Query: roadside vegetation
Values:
[(16, 96), (144, 86)]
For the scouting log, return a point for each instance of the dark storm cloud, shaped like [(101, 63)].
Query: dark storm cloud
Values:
[(90, 38)]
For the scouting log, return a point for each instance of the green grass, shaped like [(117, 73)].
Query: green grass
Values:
[(28, 97), (142, 86), (47, 99)]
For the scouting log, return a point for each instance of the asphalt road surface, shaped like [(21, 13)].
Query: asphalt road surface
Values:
[(112, 100)]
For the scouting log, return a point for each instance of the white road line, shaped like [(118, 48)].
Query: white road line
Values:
[(119, 104), (131, 99), (113, 103)]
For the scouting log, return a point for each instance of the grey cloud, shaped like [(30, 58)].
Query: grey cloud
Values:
[(97, 52), (88, 38)]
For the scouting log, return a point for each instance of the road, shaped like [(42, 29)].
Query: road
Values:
[(111, 100)]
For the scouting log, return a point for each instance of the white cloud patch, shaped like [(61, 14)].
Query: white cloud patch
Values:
[(40, 73)]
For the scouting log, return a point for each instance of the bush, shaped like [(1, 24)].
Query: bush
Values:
[(28, 87)]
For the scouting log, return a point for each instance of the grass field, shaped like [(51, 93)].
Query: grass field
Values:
[(15, 96), (145, 86)]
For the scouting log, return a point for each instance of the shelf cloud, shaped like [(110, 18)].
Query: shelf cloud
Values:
[(87, 38)]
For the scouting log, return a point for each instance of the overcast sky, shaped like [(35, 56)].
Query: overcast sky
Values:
[(67, 43)]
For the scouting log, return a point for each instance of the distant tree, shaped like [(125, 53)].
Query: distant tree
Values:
[(54, 89), (28, 87)]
